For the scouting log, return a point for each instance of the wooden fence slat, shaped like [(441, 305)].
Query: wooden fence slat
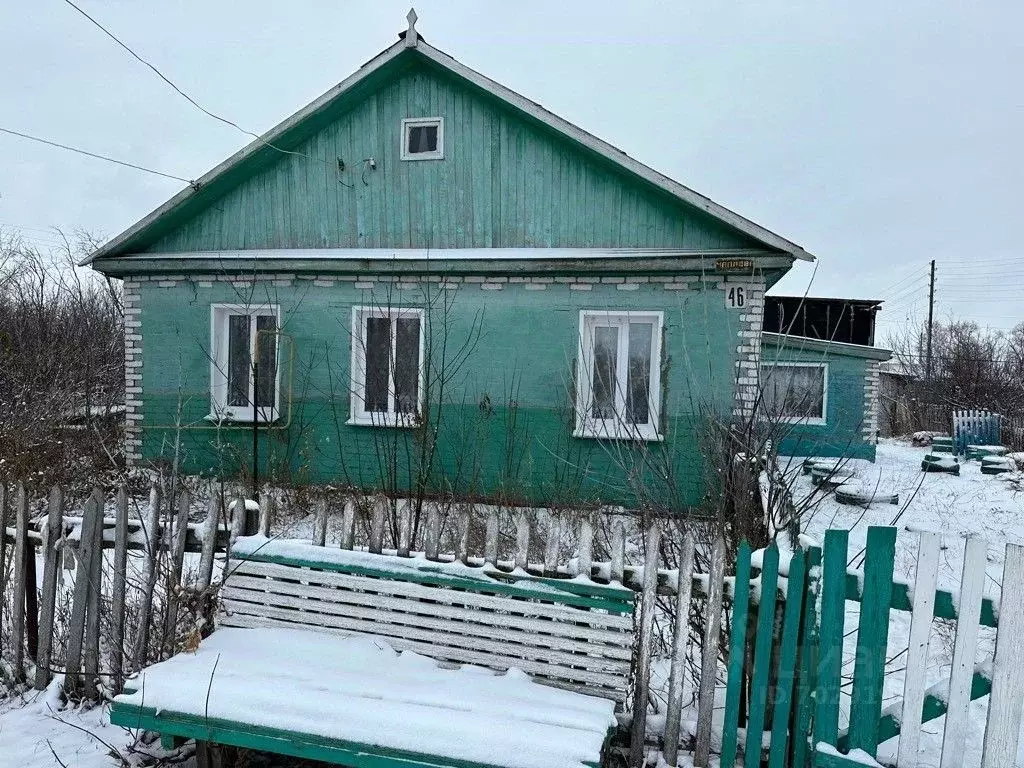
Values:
[(91, 655), (491, 538), (80, 601), (803, 709), (348, 524), (795, 587), (20, 577), (642, 670), (51, 568), (320, 524), (585, 561), (737, 645), (964, 652), (830, 638), (1002, 730), (118, 587), (3, 555), (760, 673), (872, 636), (680, 635), (618, 553), (522, 541), (462, 523), (916, 673), (432, 537), (239, 513), (268, 508), (376, 543), (404, 527), (709, 654), (551, 544), (180, 533), (152, 533), (209, 539)]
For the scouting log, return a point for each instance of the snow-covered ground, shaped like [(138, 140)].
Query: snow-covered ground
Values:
[(971, 504)]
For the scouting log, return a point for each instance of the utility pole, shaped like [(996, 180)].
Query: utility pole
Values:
[(931, 315)]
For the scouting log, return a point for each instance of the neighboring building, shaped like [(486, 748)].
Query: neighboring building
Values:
[(820, 375), (442, 285)]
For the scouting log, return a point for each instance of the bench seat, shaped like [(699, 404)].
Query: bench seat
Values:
[(354, 700)]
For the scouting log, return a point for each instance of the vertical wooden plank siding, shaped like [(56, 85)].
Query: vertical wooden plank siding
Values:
[(376, 543), (180, 533), (680, 634), (709, 655), (209, 539), (915, 675), (51, 567), (91, 656), (872, 636), (1002, 730), (642, 666), (20, 579), (764, 640), (802, 737), (553, 533), (737, 648), (348, 520), (404, 528), (965, 650), (787, 660), (830, 638), (80, 600), (320, 524), (118, 588), (585, 561), (491, 538), (432, 540), (522, 541), (151, 532)]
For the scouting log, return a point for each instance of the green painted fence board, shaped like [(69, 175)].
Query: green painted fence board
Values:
[(737, 645), (787, 660), (872, 636), (802, 738), (830, 638), (762, 656)]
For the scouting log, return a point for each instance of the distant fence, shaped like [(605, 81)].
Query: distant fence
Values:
[(976, 427)]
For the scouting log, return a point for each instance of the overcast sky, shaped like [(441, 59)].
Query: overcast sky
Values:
[(878, 135)]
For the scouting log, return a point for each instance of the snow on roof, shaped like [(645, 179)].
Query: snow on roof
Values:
[(359, 689)]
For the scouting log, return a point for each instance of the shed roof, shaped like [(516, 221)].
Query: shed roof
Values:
[(413, 45)]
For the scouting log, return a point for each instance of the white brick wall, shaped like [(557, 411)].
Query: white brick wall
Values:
[(748, 334), (871, 394), (133, 370)]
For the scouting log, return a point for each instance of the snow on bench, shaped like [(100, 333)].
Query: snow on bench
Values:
[(356, 700), (400, 665)]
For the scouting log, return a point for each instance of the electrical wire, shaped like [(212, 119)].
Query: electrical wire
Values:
[(94, 155)]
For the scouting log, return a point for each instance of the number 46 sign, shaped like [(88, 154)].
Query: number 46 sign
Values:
[(735, 296)]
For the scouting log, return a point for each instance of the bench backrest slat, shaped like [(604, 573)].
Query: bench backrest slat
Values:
[(557, 637)]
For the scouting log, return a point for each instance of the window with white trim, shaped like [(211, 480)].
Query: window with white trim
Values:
[(423, 138), (244, 375), (618, 393), (796, 392), (387, 365)]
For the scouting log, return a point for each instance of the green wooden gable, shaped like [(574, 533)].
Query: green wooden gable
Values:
[(512, 176)]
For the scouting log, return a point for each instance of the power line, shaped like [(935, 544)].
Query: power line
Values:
[(178, 90), (94, 155)]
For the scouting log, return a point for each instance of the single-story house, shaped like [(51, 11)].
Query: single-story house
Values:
[(820, 375), (424, 280)]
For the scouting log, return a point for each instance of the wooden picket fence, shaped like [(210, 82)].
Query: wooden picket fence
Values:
[(975, 427)]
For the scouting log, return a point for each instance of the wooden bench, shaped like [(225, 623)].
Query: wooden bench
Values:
[(389, 637)]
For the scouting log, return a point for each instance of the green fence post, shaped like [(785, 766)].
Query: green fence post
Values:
[(802, 734), (737, 647), (762, 656), (787, 660), (830, 638)]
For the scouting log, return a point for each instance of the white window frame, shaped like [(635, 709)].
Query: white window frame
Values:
[(357, 412), (809, 420), (413, 122), (617, 429), (219, 409)]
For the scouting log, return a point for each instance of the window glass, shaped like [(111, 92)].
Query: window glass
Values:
[(422, 138), (266, 361), (407, 364), (796, 391), (638, 384), (378, 359), (239, 361), (606, 353)]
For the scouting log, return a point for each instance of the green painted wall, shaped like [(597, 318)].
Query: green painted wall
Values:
[(525, 353), (842, 434), (505, 181)]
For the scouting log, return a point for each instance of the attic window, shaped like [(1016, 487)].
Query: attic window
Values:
[(423, 138)]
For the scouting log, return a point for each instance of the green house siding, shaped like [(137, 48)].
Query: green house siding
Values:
[(504, 420), (847, 413), (505, 181)]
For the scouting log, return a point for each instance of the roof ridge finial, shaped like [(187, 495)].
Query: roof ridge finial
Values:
[(411, 36)]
